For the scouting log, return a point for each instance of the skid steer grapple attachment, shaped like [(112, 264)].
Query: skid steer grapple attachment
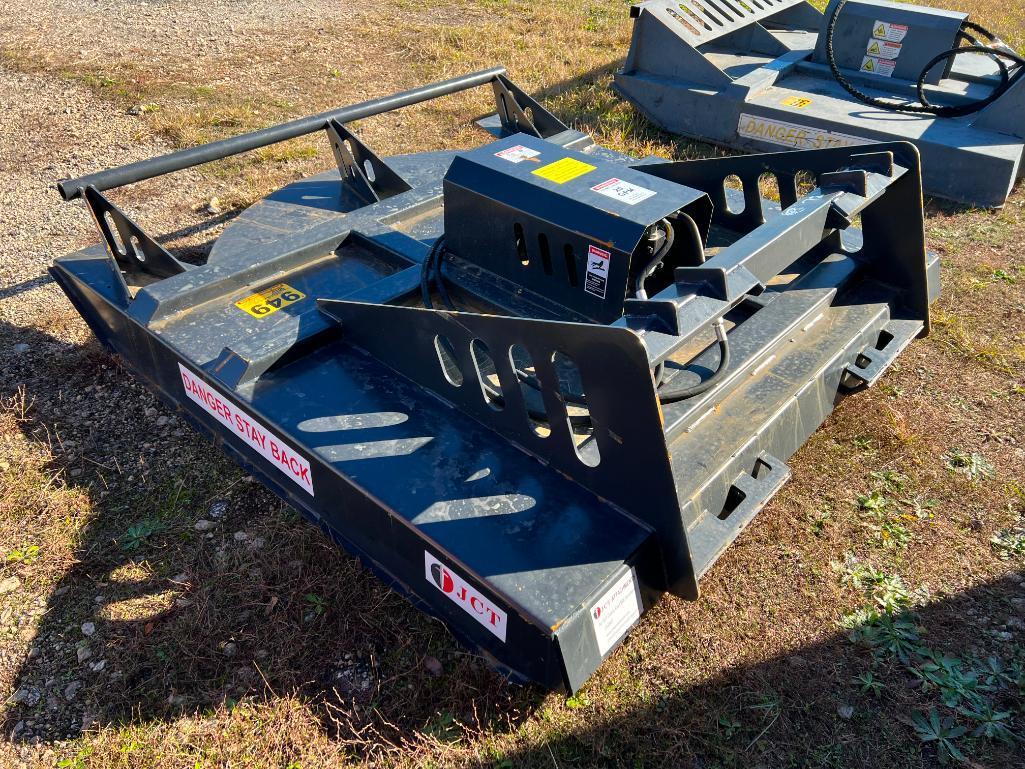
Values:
[(533, 385)]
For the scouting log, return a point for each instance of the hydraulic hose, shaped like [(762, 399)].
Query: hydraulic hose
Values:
[(924, 107), (431, 271), (656, 260), (667, 394)]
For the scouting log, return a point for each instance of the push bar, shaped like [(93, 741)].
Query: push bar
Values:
[(223, 148)]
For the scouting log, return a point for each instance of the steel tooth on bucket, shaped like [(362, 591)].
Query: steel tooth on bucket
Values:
[(533, 385)]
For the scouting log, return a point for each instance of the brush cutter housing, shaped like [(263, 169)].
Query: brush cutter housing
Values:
[(533, 385)]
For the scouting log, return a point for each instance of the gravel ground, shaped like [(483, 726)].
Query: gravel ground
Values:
[(49, 130)]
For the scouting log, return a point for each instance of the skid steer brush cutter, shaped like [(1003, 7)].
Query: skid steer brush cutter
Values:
[(761, 74), (533, 385)]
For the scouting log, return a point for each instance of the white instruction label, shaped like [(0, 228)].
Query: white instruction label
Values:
[(517, 154), (597, 280), (794, 135), (616, 612), (883, 49), (468, 598), (270, 446), (876, 66), (884, 30), (617, 189)]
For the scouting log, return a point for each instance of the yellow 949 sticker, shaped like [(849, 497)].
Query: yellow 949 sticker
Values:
[(270, 300)]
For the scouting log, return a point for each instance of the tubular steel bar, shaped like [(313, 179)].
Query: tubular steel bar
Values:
[(217, 150)]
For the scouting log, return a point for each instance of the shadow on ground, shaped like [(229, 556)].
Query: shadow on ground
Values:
[(191, 586)]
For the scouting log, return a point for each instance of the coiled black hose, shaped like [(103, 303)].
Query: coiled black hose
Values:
[(925, 107)]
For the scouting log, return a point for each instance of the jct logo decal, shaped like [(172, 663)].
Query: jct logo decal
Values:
[(467, 597)]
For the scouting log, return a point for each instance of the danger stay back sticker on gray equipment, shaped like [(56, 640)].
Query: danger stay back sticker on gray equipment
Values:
[(243, 426), (616, 612)]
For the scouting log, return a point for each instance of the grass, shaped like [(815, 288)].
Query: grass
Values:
[(856, 623)]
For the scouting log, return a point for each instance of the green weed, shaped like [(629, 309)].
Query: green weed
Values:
[(138, 534), (973, 464)]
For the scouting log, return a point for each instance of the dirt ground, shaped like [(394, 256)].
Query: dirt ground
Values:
[(158, 608)]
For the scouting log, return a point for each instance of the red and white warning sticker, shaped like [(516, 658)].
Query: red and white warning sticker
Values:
[(597, 280), (464, 595), (616, 611), (286, 459), (884, 30), (517, 154), (876, 66), (625, 192), (883, 49)]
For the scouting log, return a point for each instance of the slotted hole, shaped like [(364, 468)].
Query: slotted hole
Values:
[(114, 234), (733, 184), (346, 150), (719, 6), (571, 387), (447, 359), (806, 182), (368, 167), (487, 375), (530, 389), (697, 19), (733, 499), (571, 264), (683, 22), (733, 5), (885, 337), (768, 188), (137, 248), (521, 244), (707, 12), (546, 253), (745, 6)]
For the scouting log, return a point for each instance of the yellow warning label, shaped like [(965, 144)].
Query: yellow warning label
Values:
[(562, 171), (874, 48), (270, 300), (800, 102), (869, 66), (880, 31)]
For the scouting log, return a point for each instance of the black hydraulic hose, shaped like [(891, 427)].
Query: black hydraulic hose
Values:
[(925, 107), (425, 273), (697, 246), (656, 260), (431, 269), (439, 279), (668, 395)]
